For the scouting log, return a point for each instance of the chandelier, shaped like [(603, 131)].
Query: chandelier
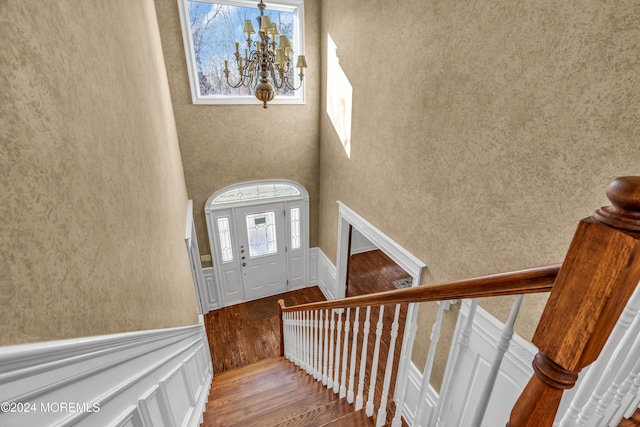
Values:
[(267, 66)]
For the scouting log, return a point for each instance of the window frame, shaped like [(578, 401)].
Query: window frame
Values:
[(294, 6)]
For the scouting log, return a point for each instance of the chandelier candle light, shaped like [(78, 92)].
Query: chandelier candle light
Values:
[(271, 63)]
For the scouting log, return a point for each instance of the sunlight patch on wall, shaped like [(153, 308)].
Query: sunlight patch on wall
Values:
[(339, 97)]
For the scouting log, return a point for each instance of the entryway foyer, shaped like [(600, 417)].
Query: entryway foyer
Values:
[(259, 239)]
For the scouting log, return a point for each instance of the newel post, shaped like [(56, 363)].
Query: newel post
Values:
[(281, 304), (597, 278)]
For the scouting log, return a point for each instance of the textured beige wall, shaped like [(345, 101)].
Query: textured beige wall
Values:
[(225, 144), (91, 182), (482, 131)]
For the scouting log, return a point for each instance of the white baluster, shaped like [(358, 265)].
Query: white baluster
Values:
[(354, 345), (296, 338), (374, 367), (444, 399), (503, 345), (616, 408), (336, 379), (382, 411), (332, 326), (363, 360), (303, 336), (287, 335), (307, 335), (410, 328), (635, 401), (608, 375), (625, 370), (320, 348), (325, 359), (588, 384), (284, 333), (315, 343), (428, 365), (345, 352)]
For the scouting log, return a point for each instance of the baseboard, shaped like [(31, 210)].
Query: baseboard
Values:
[(141, 379), (323, 273)]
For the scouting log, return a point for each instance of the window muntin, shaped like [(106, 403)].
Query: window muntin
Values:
[(224, 233), (261, 234), (210, 30), (295, 228), (256, 192)]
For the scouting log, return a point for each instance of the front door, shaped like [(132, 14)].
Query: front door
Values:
[(261, 239)]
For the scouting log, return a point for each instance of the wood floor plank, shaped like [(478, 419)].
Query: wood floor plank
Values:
[(320, 415), (235, 340), (283, 411), (354, 419)]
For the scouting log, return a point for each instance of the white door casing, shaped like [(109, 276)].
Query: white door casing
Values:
[(226, 211)]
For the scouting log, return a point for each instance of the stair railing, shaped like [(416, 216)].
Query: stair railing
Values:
[(588, 294)]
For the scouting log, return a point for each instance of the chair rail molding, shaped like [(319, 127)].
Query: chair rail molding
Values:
[(136, 379)]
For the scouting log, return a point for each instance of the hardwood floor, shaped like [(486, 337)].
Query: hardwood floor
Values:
[(235, 340), (371, 272)]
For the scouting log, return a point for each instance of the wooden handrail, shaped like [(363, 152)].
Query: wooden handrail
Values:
[(532, 280)]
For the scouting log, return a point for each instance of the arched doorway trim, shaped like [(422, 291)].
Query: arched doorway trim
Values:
[(259, 239)]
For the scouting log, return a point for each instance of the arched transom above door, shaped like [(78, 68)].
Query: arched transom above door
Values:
[(259, 237)]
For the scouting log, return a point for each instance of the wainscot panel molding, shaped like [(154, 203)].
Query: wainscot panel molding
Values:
[(475, 363), (209, 275), (139, 379), (323, 273), (467, 384), (411, 398)]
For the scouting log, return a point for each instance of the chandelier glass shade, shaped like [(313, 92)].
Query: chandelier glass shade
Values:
[(266, 64)]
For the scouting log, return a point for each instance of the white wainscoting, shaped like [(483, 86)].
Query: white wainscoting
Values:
[(139, 379), (209, 275), (468, 382), (322, 273), (413, 392)]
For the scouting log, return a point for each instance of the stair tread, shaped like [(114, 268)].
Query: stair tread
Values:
[(320, 415), (284, 413), (254, 369), (243, 390), (243, 407), (354, 419)]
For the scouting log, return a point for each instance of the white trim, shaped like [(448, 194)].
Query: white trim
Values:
[(209, 277), (114, 374), (322, 273), (474, 366), (191, 240), (467, 384), (411, 397), (231, 291), (346, 217)]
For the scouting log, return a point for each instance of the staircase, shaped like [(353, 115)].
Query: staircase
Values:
[(347, 360), (274, 392)]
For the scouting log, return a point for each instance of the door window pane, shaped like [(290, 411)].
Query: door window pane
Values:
[(261, 233), (295, 228), (225, 239)]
